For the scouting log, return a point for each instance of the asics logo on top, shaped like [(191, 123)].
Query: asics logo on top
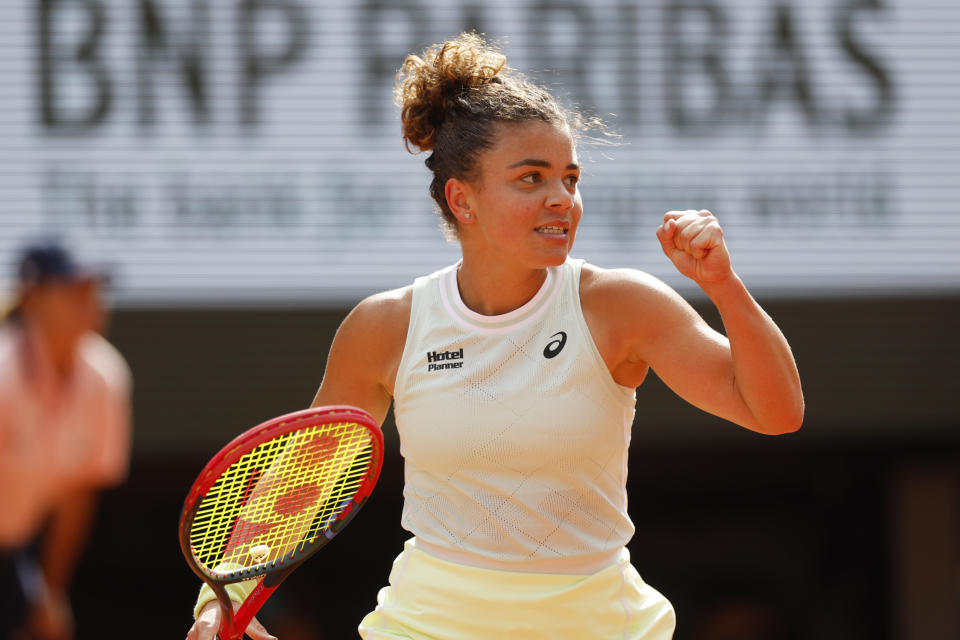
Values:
[(555, 346), (438, 360)]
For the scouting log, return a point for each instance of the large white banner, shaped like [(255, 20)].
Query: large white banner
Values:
[(247, 151)]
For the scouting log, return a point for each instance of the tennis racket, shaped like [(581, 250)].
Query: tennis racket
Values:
[(273, 497)]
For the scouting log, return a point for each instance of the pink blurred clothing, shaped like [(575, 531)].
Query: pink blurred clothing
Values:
[(57, 435)]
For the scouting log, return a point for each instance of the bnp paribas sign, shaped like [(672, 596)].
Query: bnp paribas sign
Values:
[(248, 150)]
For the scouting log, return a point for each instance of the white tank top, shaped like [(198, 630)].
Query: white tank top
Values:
[(513, 431)]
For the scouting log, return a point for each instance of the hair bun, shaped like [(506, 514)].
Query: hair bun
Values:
[(428, 85)]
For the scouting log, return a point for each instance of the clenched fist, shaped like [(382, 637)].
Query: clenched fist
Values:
[(693, 240)]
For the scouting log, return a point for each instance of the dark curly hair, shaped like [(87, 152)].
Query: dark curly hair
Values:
[(454, 94)]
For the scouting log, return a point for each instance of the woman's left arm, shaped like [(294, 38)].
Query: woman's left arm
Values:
[(747, 376), (763, 372)]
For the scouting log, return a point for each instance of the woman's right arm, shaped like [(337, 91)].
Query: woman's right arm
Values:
[(365, 354), (361, 369)]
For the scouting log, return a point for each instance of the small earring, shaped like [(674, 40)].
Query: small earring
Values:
[(467, 216)]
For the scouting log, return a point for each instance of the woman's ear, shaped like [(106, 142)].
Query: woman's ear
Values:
[(460, 200)]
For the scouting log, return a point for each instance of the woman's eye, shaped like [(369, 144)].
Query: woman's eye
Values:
[(531, 178), (572, 181)]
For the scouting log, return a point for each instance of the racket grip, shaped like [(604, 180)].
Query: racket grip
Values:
[(254, 601)]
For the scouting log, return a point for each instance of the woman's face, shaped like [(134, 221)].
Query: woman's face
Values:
[(524, 203)]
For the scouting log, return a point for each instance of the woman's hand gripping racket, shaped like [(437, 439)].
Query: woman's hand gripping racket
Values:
[(272, 497)]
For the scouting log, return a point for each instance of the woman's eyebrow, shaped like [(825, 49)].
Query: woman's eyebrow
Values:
[(535, 162)]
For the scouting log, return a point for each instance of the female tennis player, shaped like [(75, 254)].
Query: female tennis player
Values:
[(512, 374)]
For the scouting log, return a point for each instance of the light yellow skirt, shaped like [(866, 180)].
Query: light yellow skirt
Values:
[(432, 599)]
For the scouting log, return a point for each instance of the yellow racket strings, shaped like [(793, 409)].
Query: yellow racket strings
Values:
[(280, 496)]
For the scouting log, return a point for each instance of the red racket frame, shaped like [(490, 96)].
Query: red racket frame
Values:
[(232, 625)]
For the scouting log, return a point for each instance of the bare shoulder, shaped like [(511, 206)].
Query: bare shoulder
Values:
[(630, 309), (106, 361), (632, 316), (385, 315), (375, 331), (612, 290), (366, 351)]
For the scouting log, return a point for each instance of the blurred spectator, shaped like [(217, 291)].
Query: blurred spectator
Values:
[(64, 435)]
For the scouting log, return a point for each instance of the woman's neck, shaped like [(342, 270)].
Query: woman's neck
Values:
[(495, 290)]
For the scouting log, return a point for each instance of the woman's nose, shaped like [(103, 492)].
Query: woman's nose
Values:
[(559, 197)]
